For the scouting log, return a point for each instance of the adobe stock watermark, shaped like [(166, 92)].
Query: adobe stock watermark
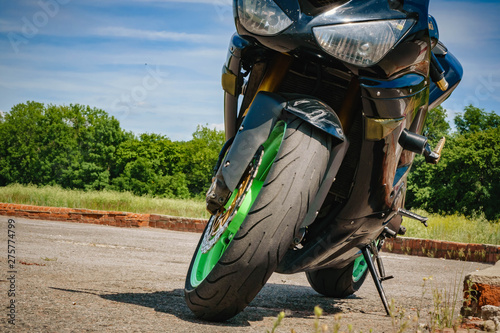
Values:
[(224, 9), (487, 88), (139, 93), (484, 90), (31, 26)]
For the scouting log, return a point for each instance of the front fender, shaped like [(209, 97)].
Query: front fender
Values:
[(266, 109), (316, 113)]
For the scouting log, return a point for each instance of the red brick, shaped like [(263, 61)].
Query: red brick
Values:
[(63, 216)]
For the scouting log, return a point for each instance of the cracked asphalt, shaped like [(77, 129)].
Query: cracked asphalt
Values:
[(72, 277)]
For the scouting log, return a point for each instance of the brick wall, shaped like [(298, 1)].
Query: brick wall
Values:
[(400, 245), (443, 249)]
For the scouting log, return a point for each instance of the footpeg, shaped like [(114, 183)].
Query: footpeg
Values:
[(434, 156), (407, 213), (418, 144), (402, 230)]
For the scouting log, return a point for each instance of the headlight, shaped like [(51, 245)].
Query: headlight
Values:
[(262, 17), (361, 44)]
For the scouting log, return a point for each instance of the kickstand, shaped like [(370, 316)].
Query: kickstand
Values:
[(367, 254)]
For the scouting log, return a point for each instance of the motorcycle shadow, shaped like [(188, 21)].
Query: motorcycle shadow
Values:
[(296, 301)]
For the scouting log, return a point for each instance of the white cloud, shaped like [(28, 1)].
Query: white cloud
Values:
[(155, 35), (466, 23), (68, 61), (219, 127), (210, 2)]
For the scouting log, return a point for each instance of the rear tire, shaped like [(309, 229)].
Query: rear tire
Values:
[(334, 282), (268, 229)]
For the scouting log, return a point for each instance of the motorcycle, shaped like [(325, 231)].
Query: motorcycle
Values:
[(324, 106)]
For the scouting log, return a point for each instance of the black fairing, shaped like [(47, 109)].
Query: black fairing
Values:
[(371, 182), (299, 40)]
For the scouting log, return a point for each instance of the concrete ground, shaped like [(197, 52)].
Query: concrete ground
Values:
[(71, 277)]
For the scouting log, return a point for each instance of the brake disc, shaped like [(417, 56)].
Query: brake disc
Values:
[(217, 224)]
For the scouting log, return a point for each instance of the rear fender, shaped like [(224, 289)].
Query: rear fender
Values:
[(266, 109)]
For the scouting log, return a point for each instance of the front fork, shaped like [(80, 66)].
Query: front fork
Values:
[(232, 83), (233, 75)]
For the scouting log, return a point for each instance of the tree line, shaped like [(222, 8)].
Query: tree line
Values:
[(81, 147), (467, 178)]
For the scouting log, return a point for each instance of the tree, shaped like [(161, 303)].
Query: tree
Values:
[(97, 135), (150, 164), (436, 125), (36, 144), (467, 178), (435, 128), (475, 119), (200, 156), (72, 146)]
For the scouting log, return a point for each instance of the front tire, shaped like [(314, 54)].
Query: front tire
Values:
[(221, 282)]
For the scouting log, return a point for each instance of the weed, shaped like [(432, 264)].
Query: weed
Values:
[(399, 321), (439, 314), (480, 255), (277, 322), (317, 313), (450, 254), (461, 254), (470, 298), (429, 253), (336, 323), (445, 302)]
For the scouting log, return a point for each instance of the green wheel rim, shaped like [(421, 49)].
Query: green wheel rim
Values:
[(205, 262), (360, 267)]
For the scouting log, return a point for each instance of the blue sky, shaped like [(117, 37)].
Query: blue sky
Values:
[(155, 64)]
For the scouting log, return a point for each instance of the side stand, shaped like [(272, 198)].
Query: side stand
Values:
[(369, 253)]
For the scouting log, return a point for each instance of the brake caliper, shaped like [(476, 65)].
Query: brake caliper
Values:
[(218, 194)]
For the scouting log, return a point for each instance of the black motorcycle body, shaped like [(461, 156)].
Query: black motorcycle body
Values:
[(367, 102)]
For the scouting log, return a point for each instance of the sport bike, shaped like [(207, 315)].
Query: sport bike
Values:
[(324, 106)]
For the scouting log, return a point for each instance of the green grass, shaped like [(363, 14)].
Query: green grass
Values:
[(455, 228), (55, 196), (451, 228)]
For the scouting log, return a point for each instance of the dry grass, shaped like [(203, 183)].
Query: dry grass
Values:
[(55, 196), (455, 228), (452, 228)]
